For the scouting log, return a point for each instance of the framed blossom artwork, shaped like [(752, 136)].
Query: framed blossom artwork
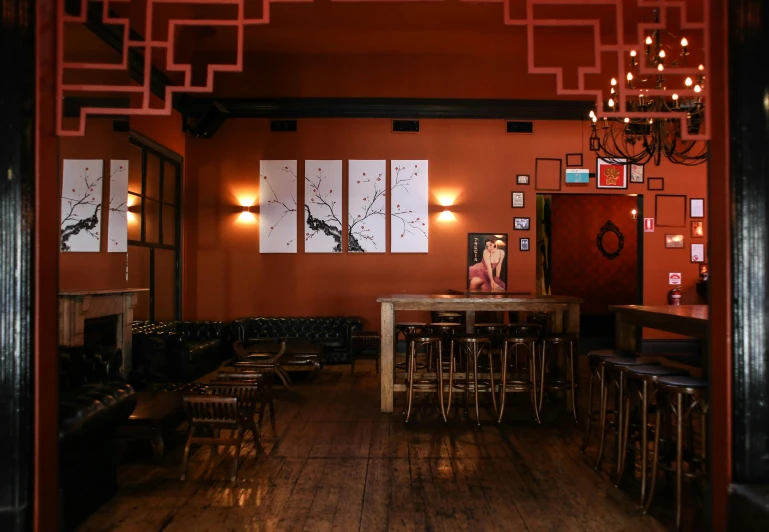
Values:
[(81, 205), (408, 206), (366, 220), (277, 207), (322, 206), (118, 207), (611, 173)]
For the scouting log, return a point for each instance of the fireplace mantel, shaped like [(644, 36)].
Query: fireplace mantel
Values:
[(76, 306)]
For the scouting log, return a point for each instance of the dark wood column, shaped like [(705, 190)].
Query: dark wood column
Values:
[(749, 179), (17, 227)]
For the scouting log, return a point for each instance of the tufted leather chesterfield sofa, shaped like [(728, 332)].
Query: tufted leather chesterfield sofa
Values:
[(177, 351), (333, 333), (93, 401)]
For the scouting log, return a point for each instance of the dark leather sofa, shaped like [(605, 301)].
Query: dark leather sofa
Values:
[(332, 333), (177, 351), (93, 401)]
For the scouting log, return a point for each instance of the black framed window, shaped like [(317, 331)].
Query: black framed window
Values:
[(154, 229)]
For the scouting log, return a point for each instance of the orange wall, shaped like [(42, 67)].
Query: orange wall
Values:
[(473, 161)]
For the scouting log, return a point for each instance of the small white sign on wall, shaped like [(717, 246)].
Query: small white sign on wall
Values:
[(648, 225), (674, 278)]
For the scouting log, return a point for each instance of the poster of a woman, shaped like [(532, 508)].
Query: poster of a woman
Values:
[(487, 269)]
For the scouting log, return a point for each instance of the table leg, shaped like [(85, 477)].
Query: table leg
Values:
[(158, 447), (556, 317), (625, 334), (572, 319), (387, 358)]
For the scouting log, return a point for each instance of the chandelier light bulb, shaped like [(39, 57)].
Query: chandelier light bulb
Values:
[(688, 82), (697, 88), (701, 67), (660, 67), (632, 53), (629, 76), (595, 119), (675, 96), (662, 54), (613, 81), (611, 102), (684, 42), (648, 40), (627, 120), (592, 114)]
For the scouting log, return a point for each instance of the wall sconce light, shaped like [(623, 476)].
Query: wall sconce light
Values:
[(446, 215), (246, 208), (247, 215), (633, 214)]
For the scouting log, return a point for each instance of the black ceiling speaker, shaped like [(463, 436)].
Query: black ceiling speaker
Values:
[(520, 127), (282, 125), (406, 125)]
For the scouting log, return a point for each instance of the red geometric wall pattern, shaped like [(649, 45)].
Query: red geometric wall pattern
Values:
[(529, 14)]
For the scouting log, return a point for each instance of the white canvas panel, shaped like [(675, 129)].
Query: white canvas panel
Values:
[(323, 206), (366, 208), (81, 205), (118, 206), (408, 206), (277, 207)]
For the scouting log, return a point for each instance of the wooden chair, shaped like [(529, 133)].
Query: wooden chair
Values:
[(365, 344), (263, 379), (249, 395), (211, 415), (262, 362)]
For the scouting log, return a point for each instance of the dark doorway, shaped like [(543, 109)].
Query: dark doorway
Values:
[(593, 252)]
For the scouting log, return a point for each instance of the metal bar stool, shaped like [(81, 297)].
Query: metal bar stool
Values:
[(519, 382), (641, 380), (472, 347), (562, 382), (447, 330), (424, 384), (406, 328), (684, 396), (594, 360), (616, 368), (495, 331)]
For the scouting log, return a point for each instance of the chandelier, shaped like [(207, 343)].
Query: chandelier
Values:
[(659, 120)]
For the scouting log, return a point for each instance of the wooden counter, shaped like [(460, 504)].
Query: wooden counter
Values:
[(564, 315), (689, 320)]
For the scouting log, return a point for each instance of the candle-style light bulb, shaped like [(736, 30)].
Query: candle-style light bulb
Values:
[(675, 96), (697, 88), (684, 42), (613, 81), (660, 67), (662, 54), (611, 102), (701, 67), (592, 114), (627, 120), (595, 119), (688, 82), (648, 40), (632, 53), (629, 76)]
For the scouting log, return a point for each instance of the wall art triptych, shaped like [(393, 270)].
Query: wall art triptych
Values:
[(366, 224), (323, 206), (408, 206), (118, 207)]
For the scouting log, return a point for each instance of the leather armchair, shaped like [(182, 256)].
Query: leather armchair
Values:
[(333, 334), (93, 401)]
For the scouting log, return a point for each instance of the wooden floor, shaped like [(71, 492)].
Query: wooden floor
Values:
[(336, 463)]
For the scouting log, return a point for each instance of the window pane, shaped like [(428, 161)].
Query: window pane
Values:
[(169, 225), (134, 217), (151, 221), (170, 181), (139, 277), (165, 284), (134, 169), (153, 177)]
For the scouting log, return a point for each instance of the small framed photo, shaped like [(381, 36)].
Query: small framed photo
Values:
[(655, 183), (704, 271), (523, 244), (696, 207), (611, 173), (698, 252), (522, 224), (698, 231), (674, 241), (636, 173), (522, 179), (573, 159), (517, 200)]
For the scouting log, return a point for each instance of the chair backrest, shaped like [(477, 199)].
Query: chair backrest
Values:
[(248, 394), (210, 409), (267, 358), (241, 376)]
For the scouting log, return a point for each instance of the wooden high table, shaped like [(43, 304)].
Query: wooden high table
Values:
[(689, 320), (564, 315)]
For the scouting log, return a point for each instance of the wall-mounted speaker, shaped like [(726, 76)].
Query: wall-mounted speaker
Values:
[(406, 125), (282, 125), (520, 127)]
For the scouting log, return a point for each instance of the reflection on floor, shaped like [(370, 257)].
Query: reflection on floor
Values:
[(336, 463)]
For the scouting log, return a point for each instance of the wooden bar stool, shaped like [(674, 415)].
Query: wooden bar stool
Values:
[(406, 328), (613, 372), (525, 329), (447, 330), (642, 389), (414, 381), (685, 397), (472, 347), (566, 382), (519, 382), (594, 360)]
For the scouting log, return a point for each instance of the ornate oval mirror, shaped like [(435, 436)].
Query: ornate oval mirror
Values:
[(610, 240)]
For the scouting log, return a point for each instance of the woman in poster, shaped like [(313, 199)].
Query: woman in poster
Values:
[(485, 276)]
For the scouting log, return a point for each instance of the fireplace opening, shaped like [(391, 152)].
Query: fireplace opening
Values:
[(101, 331)]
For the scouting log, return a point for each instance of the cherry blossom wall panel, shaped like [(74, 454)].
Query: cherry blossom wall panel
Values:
[(118, 207), (277, 207), (323, 206), (408, 206), (81, 204), (366, 206)]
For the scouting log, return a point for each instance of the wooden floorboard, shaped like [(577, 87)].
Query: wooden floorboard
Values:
[(335, 463)]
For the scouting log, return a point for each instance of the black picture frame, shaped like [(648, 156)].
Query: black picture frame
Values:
[(655, 183), (522, 223), (657, 199), (477, 276), (536, 173), (701, 202), (573, 160), (517, 195), (524, 244), (522, 179)]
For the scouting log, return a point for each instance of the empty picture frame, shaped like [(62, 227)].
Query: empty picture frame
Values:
[(696, 207), (670, 210), (573, 159), (517, 200), (655, 183), (547, 174)]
